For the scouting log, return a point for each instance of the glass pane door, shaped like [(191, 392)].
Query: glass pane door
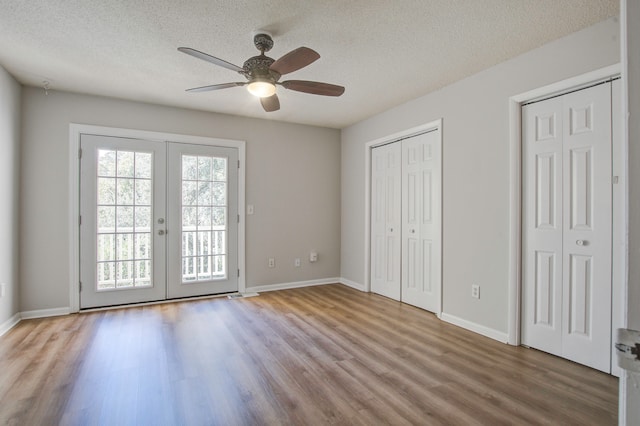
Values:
[(202, 197), (122, 208)]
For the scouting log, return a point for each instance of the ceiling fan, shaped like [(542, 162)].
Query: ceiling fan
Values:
[(263, 73)]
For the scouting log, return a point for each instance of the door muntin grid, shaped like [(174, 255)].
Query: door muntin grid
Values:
[(204, 218), (124, 241)]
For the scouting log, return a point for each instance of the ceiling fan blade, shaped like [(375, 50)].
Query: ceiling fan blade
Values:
[(215, 87), (270, 104), (205, 57), (294, 60), (313, 87)]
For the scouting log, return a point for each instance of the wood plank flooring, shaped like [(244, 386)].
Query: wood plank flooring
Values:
[(316, 355)]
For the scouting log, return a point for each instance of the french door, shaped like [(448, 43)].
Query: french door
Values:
[(158, 220), (203, 188)]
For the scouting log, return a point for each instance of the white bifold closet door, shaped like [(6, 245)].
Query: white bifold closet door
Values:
[(567, 226), (406, 221), (386, 220)]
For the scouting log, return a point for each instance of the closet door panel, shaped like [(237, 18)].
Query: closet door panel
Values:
[(587, 227), (386, 220), (542, 225), (421, 225)]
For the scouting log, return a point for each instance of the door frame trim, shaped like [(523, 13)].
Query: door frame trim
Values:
[(430, 126), (515, 187), (75, 132)]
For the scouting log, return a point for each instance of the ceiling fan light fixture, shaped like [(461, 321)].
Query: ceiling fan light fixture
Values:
[(262, 88), (263, 73)]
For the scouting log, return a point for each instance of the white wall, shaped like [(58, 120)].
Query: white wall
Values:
[(293, 180), (633, 81), (475, 167), (630, 393), (9, 174)]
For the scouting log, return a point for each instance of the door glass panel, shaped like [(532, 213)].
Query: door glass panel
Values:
[(204, 214), (124, 198)]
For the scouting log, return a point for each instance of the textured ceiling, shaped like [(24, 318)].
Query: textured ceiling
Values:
[(384, 52)]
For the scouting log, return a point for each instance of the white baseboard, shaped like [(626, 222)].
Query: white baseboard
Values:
[(286, 286), (43, 313), (352, 284), (476, 328), (9, 324), (40, 313)]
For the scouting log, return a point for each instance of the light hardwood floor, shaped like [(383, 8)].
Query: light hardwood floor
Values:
[(315, 355)]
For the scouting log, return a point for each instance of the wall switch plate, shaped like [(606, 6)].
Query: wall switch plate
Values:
[(3, 287), (475, 291), (296, 262), (272, 262), (313, 256), (250, 209)]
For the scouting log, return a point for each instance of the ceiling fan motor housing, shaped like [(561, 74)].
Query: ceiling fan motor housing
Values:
[(258, 67)]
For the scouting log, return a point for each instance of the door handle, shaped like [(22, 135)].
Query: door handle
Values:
[(582, 242), (161, 232)]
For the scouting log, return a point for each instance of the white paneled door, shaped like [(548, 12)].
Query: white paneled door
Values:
[(567, 226), (421, 222), (158, 220), (386, 220), (406, 221)]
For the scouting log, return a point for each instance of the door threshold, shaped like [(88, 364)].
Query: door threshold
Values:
[(229, 295)]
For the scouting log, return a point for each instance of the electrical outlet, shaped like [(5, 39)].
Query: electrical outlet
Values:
[(475, 291), (272, 262), (296, 262)]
